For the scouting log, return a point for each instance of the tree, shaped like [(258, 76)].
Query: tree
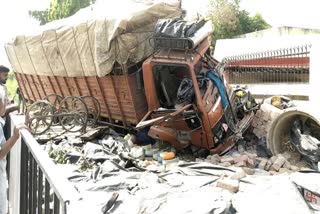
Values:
[(230, 21), (250, 24), (60, 9), (40, 15)]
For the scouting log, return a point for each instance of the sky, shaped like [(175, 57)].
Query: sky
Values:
[(14, 19), (294, 13)]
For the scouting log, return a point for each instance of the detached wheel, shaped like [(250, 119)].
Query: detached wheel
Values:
[(73, 114), (55, 100), (94, 109), (39, 117)]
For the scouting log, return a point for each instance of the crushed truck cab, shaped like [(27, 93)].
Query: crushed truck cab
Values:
[(189, 101)]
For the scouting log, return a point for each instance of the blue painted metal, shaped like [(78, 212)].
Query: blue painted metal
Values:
[(214, 77)]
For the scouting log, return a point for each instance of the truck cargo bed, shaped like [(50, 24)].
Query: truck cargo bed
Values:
[(121, 97)]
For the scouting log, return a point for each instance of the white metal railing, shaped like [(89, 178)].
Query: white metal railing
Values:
[(35, 184)]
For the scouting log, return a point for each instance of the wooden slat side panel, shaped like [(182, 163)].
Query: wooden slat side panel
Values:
[(82, 86), (57, 86), (22, 86), (46, 85), (30, 83), (71, 86), (104, 107), (35, 87), (132, 100), (122, 91), (95, 92), (63, 86), (117, 117), (42, 91), (110, 91), (54, 84), (138, 96), (133, 111), (38, 86)]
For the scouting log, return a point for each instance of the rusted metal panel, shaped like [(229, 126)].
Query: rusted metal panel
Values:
[(215, 113)]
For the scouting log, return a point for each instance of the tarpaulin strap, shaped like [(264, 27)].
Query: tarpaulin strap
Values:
[(213, 76)]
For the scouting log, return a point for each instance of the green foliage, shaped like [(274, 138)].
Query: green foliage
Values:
[(250, 24), (40, 15), (12, 85), (85, 164), (11, 75), (59, 9), (229, 21), (59, 155)]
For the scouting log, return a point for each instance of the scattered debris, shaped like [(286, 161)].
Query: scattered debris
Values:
[(110, 203), (229, 184), (303, 141), (281, 102), (92, 133)]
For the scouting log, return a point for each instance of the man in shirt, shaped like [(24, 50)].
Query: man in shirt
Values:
[(6, 107), (5, 145)]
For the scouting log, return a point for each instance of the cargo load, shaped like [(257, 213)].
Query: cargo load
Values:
[(97, 52)]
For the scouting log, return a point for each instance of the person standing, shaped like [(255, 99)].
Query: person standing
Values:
[(5, 145), (20, 100), (7, 106)]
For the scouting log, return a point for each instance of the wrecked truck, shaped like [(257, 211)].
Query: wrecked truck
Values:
[(178, 94), (189, 101)]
